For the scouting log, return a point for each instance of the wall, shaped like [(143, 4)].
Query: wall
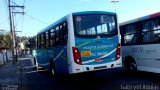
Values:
[(5, 56)]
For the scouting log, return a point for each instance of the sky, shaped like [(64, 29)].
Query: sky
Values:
[(41, 13)]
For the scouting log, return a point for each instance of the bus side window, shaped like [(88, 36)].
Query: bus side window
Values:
[(39, 41), (146, 31), (43, 40), (57, 36), (159, 29), (139, 33), (52, 37), (47, 39), (130, 34), (154, 30), (65, 33), (122, 34), (61, 35), (150, 31)]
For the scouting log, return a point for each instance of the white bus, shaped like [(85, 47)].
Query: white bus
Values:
[(141, 43), (80, 42)]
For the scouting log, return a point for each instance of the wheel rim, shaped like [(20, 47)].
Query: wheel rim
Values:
[(133, 66), (35, 63), (53, 71)]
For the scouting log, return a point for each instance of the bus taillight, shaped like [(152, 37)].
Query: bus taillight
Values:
[(77, 56), (118, 52)]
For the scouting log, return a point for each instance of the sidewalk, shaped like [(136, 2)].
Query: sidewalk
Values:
[(9, 76)]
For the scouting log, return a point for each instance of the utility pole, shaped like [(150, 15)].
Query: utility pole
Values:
[(115, 7), (12, 28), (12, 31)]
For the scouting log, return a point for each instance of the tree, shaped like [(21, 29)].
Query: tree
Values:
[(5, 40), (1, 39)]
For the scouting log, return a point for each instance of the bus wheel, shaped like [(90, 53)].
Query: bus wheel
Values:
[(130, 65), (133, 66), (35, 63), (53, 71), (52, 68)]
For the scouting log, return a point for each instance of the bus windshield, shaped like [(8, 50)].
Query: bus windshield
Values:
[(95, 25)]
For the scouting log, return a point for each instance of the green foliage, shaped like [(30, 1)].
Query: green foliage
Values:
[(5, 40)]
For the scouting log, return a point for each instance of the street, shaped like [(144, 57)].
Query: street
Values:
[(112, 79)]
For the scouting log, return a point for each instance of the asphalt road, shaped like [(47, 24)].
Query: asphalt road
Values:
[(112, 79)]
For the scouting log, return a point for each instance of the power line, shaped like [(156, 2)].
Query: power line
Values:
[(36, 19)]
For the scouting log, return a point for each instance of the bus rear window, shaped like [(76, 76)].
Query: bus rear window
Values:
[(95, 25)]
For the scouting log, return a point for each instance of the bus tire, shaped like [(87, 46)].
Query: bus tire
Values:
[(130, 64), (52, 68), (35, 63)]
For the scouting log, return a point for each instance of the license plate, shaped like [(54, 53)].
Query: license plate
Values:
[(99, 60), (86, 53)]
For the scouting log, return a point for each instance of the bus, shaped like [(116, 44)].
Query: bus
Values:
[(141, 43), (79, 42)]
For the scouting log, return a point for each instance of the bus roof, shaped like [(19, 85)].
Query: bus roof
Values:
[(93, 12), (141, 18), (76, 13)]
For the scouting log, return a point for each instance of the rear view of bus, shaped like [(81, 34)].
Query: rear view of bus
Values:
[(93, 42)]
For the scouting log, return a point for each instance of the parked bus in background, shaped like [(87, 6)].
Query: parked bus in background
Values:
[(80, 42), (141, 43)]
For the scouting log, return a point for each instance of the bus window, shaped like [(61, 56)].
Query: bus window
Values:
[(52, 37), (65, 33), (150, 31), (130, 35), (60, 35), (156, 32), (47, 39), (104, 25), (131, 29), (122, 34), (39, 41), (57, 36), (43, 40)]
